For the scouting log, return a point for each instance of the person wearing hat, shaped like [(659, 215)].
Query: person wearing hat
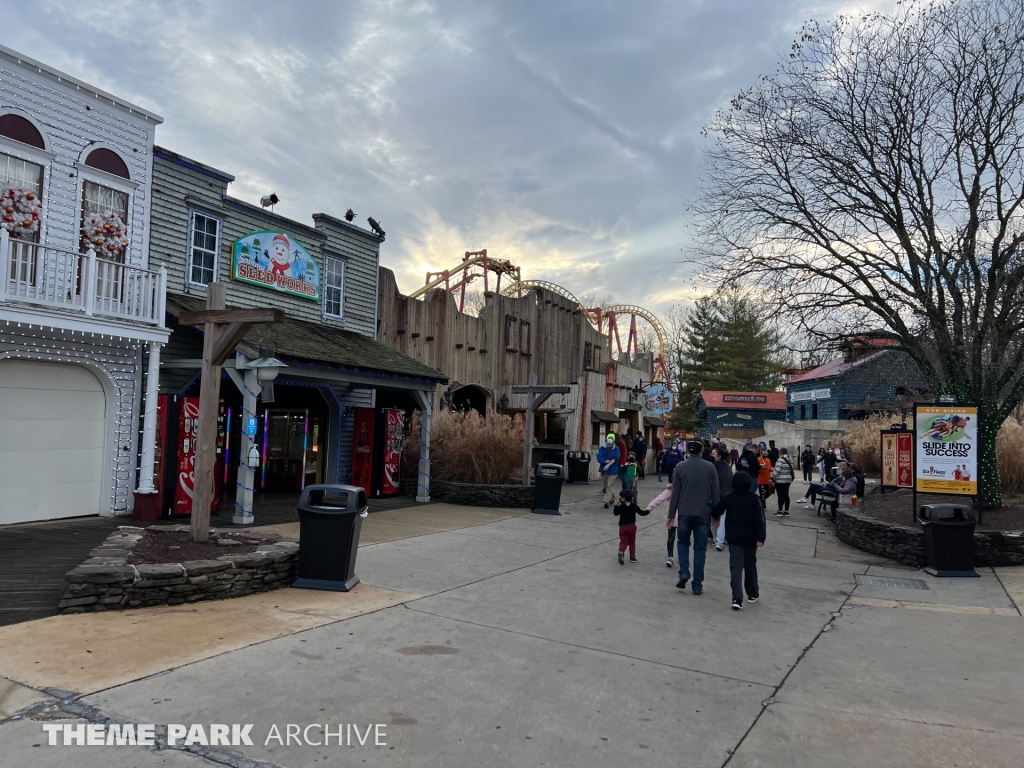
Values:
[(695, 493), (608, 462)]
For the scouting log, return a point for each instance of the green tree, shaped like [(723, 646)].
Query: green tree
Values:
[(725, 342)]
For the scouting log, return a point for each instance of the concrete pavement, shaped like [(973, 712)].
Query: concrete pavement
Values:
[(523, 642)]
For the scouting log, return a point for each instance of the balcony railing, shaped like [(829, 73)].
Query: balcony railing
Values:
[(35, 273)]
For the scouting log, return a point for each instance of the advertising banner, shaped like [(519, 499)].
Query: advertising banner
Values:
[(394, 434), (275, 261), (897, 459), (362, 449), (947, 449), (658, 400)]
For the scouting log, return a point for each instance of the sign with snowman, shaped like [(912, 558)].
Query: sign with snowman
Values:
[(276, 261)]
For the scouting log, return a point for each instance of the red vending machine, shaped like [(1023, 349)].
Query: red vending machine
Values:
[(362, 449), (188, 418), (394, 434)]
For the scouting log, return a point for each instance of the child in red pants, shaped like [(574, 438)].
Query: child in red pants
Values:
[(627, 510)]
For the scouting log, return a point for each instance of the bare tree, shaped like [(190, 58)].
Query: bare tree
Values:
[(876, 178)]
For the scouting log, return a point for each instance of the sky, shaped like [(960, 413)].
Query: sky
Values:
[(564, 136)]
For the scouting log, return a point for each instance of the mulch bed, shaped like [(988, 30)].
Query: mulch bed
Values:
[(175, 547), (898, 508)]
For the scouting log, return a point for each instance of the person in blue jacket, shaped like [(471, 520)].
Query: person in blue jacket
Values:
[(608, 462)]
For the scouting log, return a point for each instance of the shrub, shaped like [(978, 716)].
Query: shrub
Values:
[(862, 442), (466, 447), (862, 445), (1010, 455)]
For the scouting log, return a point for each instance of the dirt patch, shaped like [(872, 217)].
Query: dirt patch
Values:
[(175, 547), (898, 508)]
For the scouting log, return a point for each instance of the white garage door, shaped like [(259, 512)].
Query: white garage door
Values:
[(52, 425)]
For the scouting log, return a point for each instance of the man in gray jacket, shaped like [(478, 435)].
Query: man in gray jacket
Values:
[(694, 495)]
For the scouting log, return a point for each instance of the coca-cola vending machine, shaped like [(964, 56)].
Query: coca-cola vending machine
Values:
[(184, 485), (394, 434), (362, 449)]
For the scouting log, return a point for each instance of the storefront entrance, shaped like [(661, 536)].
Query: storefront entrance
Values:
[(294, 445)]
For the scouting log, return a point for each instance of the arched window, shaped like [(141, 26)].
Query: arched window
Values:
[(18, 128), (109, 161)]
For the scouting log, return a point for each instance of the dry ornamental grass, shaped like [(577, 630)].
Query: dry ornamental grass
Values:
[(466, 447), (863, 446)]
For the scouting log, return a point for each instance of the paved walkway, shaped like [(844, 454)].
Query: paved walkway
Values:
[(522, 642)]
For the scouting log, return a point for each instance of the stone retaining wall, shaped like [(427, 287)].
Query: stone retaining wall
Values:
[(514, 496), (107, 582), (906, 545)]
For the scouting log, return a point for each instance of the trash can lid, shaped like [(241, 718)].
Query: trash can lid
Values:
[(333, 496), (946, 513), (550, 470)]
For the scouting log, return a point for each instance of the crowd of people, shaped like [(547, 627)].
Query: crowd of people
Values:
[(720, 495)]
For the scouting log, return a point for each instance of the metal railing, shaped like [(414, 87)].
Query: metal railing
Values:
[(39, 274)]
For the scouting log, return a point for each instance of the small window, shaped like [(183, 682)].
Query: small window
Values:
[(18, 128), (204, 245), (334, 287), (21, 173), (588, 356), (524, 337), (100, 200), (511, 333)]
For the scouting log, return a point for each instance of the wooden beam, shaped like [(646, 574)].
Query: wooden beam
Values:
[(206, 438), (222, 316), (229, 336)]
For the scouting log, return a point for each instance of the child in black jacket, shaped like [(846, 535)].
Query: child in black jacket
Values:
[(745, 532), (627, 510)]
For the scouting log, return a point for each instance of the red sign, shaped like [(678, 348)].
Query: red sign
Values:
[(394, 434), (362, 449), (897, 459), (188, 423)]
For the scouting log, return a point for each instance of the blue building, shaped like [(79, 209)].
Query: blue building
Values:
[(870, 377)]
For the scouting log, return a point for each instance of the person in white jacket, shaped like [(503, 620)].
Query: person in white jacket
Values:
[(672, 524)]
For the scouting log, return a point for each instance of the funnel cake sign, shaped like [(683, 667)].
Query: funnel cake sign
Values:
[(275, 261)]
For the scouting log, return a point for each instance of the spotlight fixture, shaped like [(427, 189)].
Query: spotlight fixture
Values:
[(269, 201), (349, 215)]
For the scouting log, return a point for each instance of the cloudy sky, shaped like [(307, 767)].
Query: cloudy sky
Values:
[(562, 135)]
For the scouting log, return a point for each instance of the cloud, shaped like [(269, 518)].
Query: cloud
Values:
[(564, 137)]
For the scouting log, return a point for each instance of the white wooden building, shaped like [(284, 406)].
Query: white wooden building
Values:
[(77, 302)]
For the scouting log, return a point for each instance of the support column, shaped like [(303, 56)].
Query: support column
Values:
[(425, 401), (147, 500), (246, 381)]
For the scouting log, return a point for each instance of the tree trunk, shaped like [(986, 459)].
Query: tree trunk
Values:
[(990, 489)]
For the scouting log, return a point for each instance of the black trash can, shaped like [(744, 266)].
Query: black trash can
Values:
[(548, 479), (948, 539), (330, 519), (579, 467)]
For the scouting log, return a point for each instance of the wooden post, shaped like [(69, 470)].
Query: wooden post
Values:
[(223, 330), (206, 434), (536, 397)]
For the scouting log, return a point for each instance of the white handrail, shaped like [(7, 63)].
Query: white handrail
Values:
[(39, 274)]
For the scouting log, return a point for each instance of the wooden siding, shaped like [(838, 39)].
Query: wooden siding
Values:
[(178, 190), (71, 121), (876, 380), (476, 351)]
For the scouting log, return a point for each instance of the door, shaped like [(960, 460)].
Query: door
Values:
[(52, 431)]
